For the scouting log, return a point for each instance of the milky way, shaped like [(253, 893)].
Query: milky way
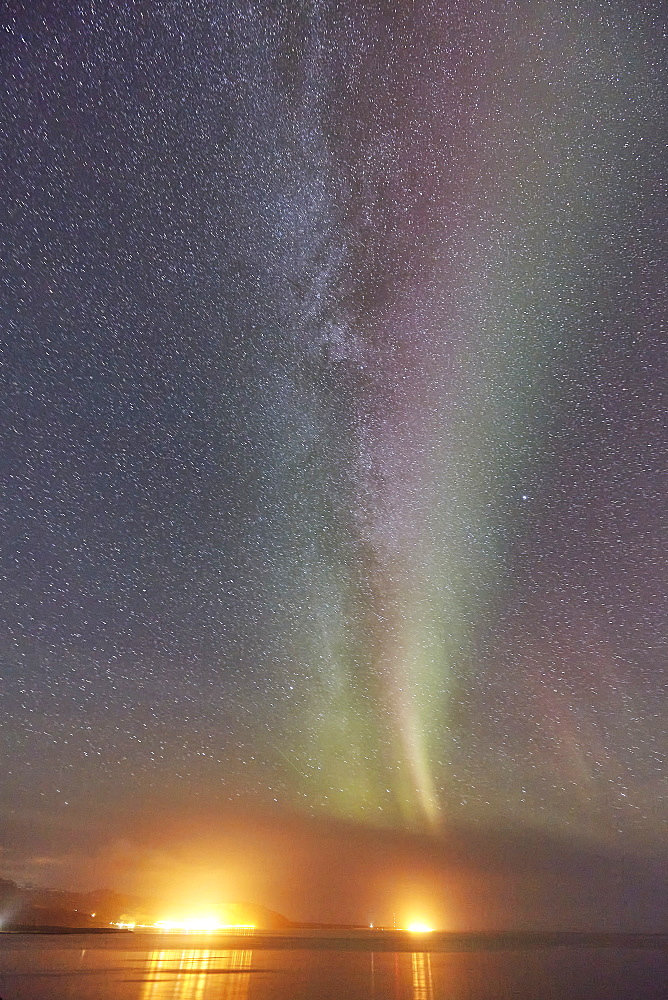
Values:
[(334, 412)]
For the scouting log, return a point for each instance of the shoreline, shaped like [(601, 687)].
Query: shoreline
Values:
[(372, 940)]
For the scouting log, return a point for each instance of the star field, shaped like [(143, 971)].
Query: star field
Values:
[(334, 413)]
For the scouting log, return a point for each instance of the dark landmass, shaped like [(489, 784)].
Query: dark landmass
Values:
[(31, 908), (30, 929)]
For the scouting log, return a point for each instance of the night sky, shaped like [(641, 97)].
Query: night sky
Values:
[(334, 452)]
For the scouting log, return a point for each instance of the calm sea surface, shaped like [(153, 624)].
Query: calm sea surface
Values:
[(326, 966)]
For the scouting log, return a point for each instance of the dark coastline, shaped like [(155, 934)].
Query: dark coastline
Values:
[(381, 940), (54, 929)]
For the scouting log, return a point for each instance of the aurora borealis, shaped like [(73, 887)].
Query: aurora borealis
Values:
[(334, 424)]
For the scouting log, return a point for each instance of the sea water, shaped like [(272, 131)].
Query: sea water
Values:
[(328, 966)]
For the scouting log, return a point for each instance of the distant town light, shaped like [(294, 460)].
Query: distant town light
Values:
[(191, 925)]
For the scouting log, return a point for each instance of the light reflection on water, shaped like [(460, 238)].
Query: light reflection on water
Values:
[(321, 968), (198, 974), (177, 974), (423, 987)]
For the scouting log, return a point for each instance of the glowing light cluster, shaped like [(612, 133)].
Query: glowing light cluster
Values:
[(190, 925), (419, 928)]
